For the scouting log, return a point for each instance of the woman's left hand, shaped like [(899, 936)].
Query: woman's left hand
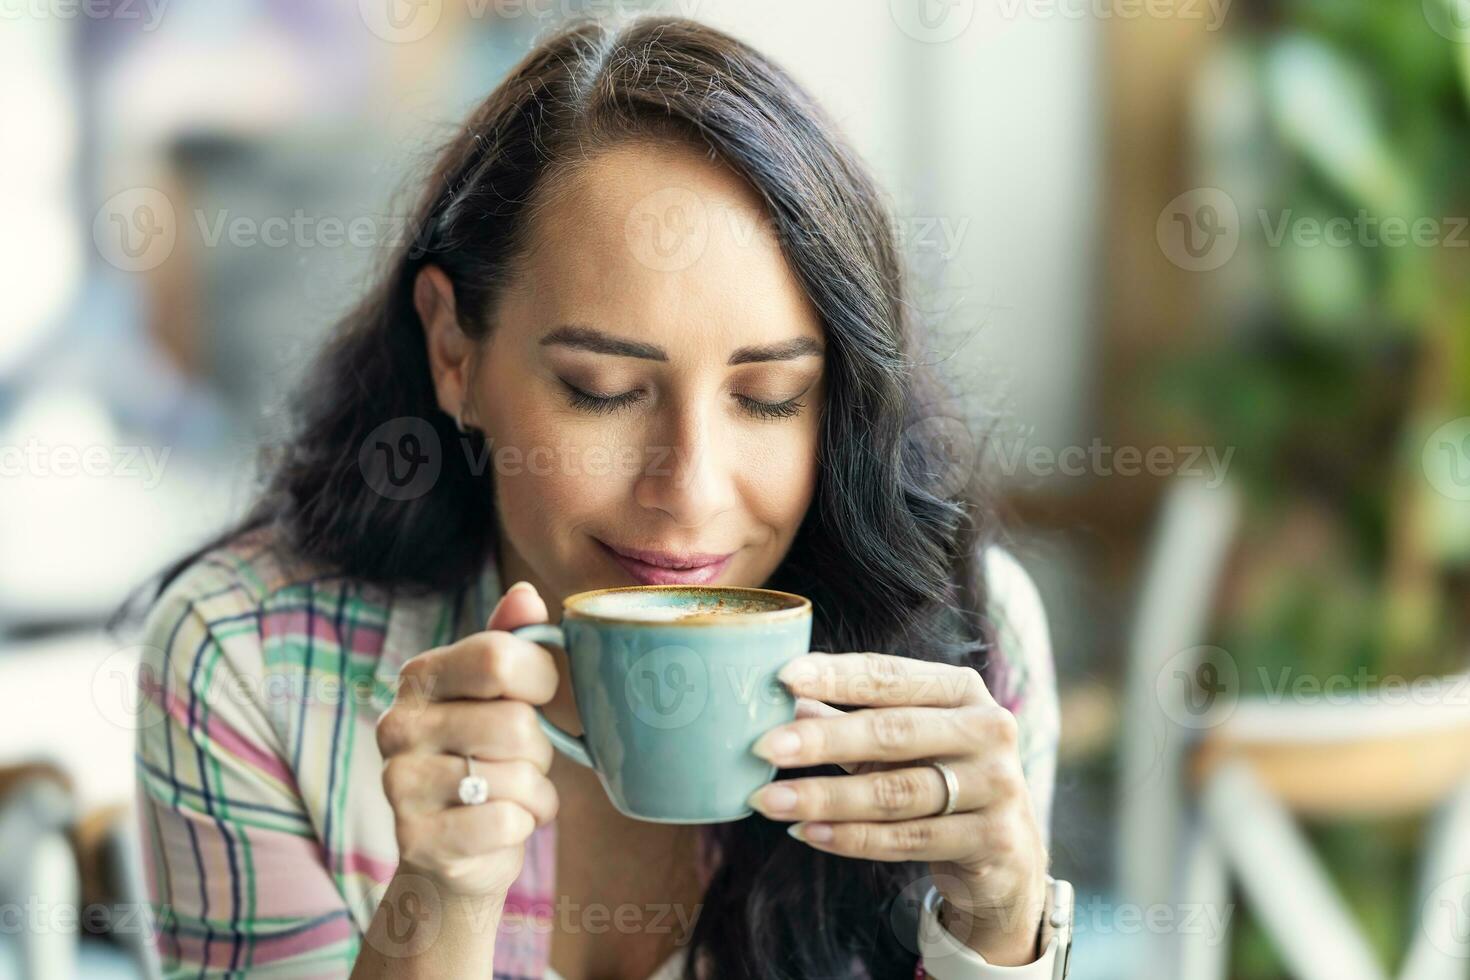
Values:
[(987, 857)]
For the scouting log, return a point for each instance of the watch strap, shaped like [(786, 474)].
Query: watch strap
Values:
[(946, 958)]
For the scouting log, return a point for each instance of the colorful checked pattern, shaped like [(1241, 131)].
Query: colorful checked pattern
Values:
[(268, 839)]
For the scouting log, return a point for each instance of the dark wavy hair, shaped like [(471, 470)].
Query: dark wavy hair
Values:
[(889, 550)]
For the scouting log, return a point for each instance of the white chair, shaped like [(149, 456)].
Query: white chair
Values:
[(1270, 762), (1211, 797), (38, 873), (1196, 527), (69, 702)]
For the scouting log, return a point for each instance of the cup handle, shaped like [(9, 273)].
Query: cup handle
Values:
[(574, 747)]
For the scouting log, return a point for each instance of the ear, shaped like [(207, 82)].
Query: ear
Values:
[(448, 348)]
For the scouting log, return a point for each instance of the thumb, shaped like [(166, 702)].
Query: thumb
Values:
[(521, 605)]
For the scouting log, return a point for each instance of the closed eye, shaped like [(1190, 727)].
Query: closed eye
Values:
[(606, 404), (772, 410), (600, 404)]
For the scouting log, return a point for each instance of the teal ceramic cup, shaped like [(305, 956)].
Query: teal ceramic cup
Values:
[(674, 684)]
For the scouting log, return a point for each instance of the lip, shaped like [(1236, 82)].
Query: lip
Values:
[(665, 567)]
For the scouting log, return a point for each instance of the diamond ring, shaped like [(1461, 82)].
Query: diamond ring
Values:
[(473, 790)]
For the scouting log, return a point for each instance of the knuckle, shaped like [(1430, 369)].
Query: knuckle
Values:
[(399, 780), (909, 838), (1003, 727), (1004, 842), (394, 731), (891, 729), (936, 680), (883, 673), (523, 779), (491, 658), (895, 791), (553, 797), (971, 720), (519, 719), (880, 665), (988, 725), (819, 796), (413, 669), (503, 823), (494, 820), (972, 686), (417, 671), (1006, 783)]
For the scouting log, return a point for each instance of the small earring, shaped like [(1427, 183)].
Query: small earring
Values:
[(459, 419)]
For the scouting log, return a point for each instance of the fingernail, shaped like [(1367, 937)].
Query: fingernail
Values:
[(778, 745), (776, 798), (520, 585), (811, 833)]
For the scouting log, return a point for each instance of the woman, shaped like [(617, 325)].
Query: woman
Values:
[(650, 328)]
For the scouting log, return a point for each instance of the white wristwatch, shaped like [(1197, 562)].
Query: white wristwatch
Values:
[(946, 958)]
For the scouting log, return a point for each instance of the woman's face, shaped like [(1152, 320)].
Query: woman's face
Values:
[(653, 381)]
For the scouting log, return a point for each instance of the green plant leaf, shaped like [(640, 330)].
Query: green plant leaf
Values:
[(1323, 105)]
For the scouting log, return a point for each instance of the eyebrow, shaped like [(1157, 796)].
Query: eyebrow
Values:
[(589, 339), (785, 350), (598, 342)]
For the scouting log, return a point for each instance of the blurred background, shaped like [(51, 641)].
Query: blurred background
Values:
[(1199, 265)]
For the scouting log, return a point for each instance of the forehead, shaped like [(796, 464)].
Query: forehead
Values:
[(660, 240)]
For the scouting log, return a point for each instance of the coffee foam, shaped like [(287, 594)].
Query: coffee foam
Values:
[(659, 607)]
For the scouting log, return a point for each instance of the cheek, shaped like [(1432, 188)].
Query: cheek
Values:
[(549, 474), (778, 476)]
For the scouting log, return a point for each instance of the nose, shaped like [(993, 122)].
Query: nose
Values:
[(688, 473)]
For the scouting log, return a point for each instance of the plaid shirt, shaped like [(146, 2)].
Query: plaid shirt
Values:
[(268, 840)]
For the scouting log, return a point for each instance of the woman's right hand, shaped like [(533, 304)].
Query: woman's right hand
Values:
[(471, 698)]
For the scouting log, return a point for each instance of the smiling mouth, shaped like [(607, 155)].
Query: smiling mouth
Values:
[(666, 567)]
